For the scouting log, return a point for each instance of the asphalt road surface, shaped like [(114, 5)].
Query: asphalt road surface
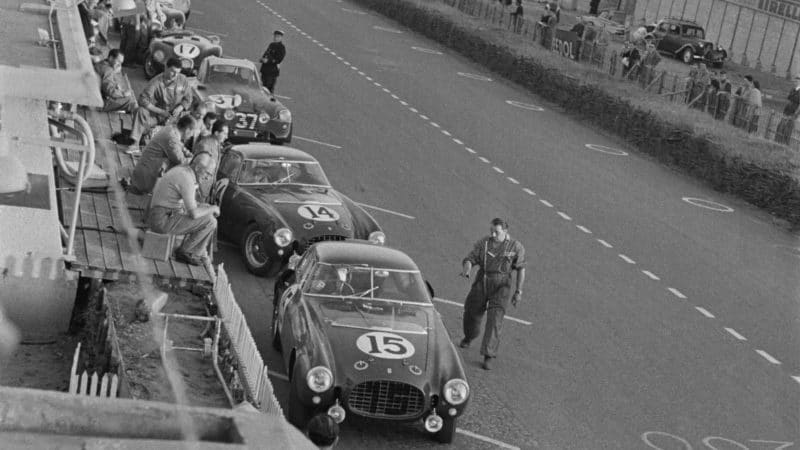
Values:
[(657, 312)]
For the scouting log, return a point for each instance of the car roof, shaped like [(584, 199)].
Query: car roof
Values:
[(238, 62), (363, 252), (261, 150), (681, 21)]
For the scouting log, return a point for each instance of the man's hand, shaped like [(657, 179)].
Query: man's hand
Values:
[(215, 210), (515, 298)]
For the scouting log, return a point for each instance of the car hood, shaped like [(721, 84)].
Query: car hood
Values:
[(308, 211), (368, 347), (252, 99)]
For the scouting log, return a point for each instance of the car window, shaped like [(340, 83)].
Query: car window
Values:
[(229, 166), (694, 32), (231, 74), (274, 172), (674, 29), (303, 268), (364, 282), (663, 27)]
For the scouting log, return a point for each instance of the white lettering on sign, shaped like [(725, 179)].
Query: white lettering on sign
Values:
[(563, 47), (385, 345), (188, 51), (319, 213)]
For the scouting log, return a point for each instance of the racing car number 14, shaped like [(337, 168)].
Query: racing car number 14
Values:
[(318, 213), (385, 345)]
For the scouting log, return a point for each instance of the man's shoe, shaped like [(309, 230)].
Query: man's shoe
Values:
[(464, 343), (188, 259), (487, 363), (133, 150)]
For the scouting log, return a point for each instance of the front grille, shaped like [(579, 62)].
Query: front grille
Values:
[(326, 237), (389, 399)]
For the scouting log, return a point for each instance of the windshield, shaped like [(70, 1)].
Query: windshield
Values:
[(366, 282), (274, 172), (230, 74)]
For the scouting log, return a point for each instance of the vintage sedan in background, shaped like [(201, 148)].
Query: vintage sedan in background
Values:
[(232, 88), (191, 48), (686, 40), (359, 335), (275, 201)]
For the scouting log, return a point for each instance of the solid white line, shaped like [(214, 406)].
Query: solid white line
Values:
[(282, 97), (512, 180), (584, 229), (545, 203), (704, 312), (470, 150), (768, 357), (207, 31), (735, 334), (605, 244), (486, 439), (651, 275), (796, 378), (564, 216), (317, 142), (450, 302), (458, 141), (626, 259), (388, 211), (483, 159), (497, 169), (676, 293), (277, 375), (528, 191)]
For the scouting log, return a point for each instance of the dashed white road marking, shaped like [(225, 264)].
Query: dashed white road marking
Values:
[(564, 216), (388, 30), (708, 204), (704, 312), (474, 77), (486, 439), (345, 63), (605, 244), (796, 378), (483, 159), (413, 110), (735, 334), (403, 103), (317, 142), (497, 169), (626, 259), (767, 356), (584, 229), (528, 191), (545, 203), (527, 106), (424, 117), (435, 125), (368, 78), (387, 211), (361, 73), (651, 275), (278, 375), (606, 150), (676, 293), (386, 90), (446, 133), (450, 302), (470, 150), (395, 97), (427, 50), (458, 141), (512, 180)]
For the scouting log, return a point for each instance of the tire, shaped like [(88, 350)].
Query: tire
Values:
[(252, 246), (448, 431), (687, 56), (298, 413), (150, 67)]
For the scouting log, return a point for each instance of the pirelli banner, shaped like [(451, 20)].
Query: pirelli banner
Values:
[(762, 34)]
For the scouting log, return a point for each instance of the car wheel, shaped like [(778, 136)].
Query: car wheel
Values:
[(687, 56), (150, 69), (448, 431), (254, 252), (298, 414)]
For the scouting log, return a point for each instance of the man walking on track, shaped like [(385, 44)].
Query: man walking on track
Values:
[(271, 61), (498, 255)]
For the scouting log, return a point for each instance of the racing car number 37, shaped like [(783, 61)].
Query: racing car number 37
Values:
[(385, 345)]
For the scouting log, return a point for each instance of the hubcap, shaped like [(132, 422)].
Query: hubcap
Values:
[(254, 249)]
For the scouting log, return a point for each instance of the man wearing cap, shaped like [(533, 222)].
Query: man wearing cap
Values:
[(498, 256), (271, 61)]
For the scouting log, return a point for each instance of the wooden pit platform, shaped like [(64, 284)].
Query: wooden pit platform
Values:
[(102, 247)]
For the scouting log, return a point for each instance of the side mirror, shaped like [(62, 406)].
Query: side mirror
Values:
[(430, 289)]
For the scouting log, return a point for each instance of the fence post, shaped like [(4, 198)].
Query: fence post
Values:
[(768, 125), (661, 81)]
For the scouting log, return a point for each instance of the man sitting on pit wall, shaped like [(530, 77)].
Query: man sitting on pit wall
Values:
[(163, 152), (114, 88), (174, 209), (164, 99)]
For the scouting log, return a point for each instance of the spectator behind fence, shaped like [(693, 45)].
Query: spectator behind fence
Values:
[(753, 105), (516, 16), (630, 60), (649, 62), (790, 114)]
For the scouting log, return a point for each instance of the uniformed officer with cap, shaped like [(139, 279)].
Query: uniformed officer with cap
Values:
[(271, 61), (498, 256)]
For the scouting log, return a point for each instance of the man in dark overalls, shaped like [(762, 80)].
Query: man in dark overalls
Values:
[(271, 61), (498, 255)]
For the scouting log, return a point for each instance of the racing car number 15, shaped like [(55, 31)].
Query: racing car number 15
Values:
[(385, 345)]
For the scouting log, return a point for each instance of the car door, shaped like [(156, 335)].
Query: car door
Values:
[(291, 315), (673, 39), (225, 190)]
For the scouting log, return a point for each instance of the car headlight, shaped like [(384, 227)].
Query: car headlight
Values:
[(285, 115), (377, 237), (229, 114), (283, 237), (319, 379), (456, 391), (158, 55), (263, 118)]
